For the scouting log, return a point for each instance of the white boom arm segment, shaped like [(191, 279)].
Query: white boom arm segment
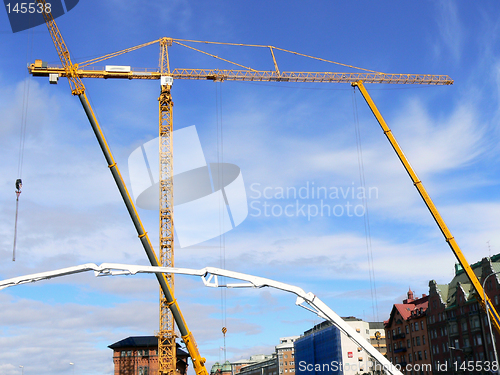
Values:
[(209, 276)]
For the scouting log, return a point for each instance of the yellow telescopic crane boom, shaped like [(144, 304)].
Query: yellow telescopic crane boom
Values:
[(481, 295), (169, 308)]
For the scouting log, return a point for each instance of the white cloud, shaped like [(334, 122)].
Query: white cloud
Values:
[(450, 29)]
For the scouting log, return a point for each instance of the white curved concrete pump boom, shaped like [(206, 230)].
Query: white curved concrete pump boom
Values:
[(210, 277)]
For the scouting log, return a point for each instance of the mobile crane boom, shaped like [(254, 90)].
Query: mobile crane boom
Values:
[(483, 299), (167, 300)]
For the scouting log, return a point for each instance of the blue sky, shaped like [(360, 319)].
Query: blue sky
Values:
[(281, 136)]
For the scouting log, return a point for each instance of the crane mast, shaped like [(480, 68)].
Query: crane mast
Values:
[(167, 75), (166, 335)]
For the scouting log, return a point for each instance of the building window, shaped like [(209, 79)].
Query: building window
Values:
[(464, 326), (466, 342), (409, 357), (407, 329), (416, 326), (418, 340), (425, 354), (422, 324), (423, 340), (408, 343)]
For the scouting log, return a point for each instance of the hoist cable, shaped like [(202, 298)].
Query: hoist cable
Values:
[(366, 216), (22, 137), (222, 205)]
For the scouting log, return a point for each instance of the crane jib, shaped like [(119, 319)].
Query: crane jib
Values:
[(42, 69)]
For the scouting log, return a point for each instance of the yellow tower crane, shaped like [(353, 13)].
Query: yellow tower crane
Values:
[(74, 72)]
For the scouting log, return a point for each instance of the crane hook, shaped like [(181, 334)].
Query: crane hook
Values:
[(19, 185)]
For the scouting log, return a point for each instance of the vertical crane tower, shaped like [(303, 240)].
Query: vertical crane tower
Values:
[(169, 309), (166, 335)]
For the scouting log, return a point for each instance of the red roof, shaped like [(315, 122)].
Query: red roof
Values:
[(417, 306)]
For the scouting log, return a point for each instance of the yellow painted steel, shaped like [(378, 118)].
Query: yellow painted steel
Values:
[(166, 335), (70, 69), (252, 75), (167, 347), (432, 208)]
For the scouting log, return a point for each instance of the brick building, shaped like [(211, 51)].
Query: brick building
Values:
[(406, 336), (458, 326), (286, 354), (138, 355)]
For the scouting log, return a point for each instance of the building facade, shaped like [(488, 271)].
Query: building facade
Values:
[(318, 351), (406, 334), (458, 327), (286, 354), (266, 364), (265, 367), (377, 336), (138, 355), (355, 359), (324, 350)]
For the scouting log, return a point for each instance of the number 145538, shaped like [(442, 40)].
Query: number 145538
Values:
[(28, 8)]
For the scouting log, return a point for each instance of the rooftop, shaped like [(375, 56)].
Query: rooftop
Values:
[(150, 342)]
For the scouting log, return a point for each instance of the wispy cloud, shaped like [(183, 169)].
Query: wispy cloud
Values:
[(450, 30)]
